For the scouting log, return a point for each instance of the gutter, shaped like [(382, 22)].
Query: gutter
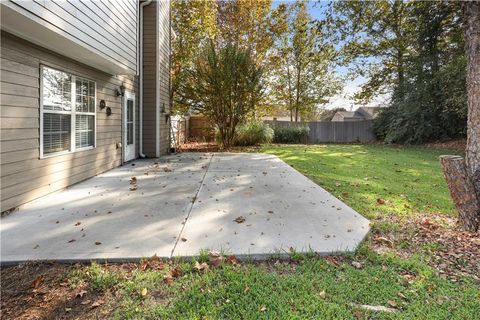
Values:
[(140, 62)]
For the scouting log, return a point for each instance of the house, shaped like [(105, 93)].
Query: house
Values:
[(361, 114), (84, 88)]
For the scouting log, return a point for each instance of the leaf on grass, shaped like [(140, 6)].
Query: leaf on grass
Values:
[(37, 282), (245, 291), (380, 201), (240, 219), (215, 258), (175, 272), (263, 308), (97, 303), (200, 266), (322, 294), (80, 293), (357, 265), (143, 292), (144, 265), (332, 261), (168, 279), (232, 260), (392, 303)]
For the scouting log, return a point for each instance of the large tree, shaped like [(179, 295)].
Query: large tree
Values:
[(225, 85), (463, 177), (375, 38), (303, 77), (194, 23)]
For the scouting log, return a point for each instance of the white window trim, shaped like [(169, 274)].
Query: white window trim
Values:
[(73, 113)]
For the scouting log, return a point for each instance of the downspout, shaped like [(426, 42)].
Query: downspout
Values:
[(140, 100)]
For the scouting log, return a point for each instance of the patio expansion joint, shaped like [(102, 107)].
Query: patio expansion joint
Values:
[(191, 206)]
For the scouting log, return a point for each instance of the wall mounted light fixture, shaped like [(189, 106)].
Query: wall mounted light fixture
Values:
[(121, 91)]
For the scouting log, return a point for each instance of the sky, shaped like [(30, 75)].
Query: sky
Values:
[(343, 99)]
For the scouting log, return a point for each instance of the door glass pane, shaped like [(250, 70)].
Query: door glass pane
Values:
[(130, 110), (57, 90), (56, 132)]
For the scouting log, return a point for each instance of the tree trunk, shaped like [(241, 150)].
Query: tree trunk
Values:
[(463, 178), (462, 191), (471, 13)]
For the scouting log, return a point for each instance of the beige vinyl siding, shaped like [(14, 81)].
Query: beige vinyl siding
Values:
[(24, 176), (107, 28), (156, 68)]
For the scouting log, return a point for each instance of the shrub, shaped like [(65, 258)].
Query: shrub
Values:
[(291, 134), (253, 133)]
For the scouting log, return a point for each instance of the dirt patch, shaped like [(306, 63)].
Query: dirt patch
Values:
[(457, 145), (193, 146), (40, 291)]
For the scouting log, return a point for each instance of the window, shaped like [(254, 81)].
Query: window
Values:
[(68, 112)]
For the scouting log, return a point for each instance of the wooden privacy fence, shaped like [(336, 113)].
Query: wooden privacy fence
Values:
[(333, 132)]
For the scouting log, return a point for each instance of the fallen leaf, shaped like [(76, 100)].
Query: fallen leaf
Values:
[(184, 239), (68, 309), (332, 261), (323, 294), (200, 266), (144, 291), (80, 293), (175, 272), (144, 265), (245, 291), (77, 224), (168, 279), (133, 180), (401, 295), (232, 260), (357, 265), (36, 283), (263, 308), (85, 302), (380, 201), (215, 258), (97, 243), (72, 240), (97, 303), (240, 219), (358, 314), (392, 303)]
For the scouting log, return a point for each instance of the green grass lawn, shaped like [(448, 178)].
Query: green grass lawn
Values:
[(410, 182), (408, 179)]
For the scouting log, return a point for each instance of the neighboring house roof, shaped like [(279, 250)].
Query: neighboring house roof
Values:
[(362, 113)]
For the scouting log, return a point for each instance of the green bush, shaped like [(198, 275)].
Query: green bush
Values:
[(253, 133), (291, 134)]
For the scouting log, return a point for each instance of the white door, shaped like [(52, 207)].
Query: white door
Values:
[(129, 126)]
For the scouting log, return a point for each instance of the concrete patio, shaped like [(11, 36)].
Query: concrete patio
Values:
[(180, 205)]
